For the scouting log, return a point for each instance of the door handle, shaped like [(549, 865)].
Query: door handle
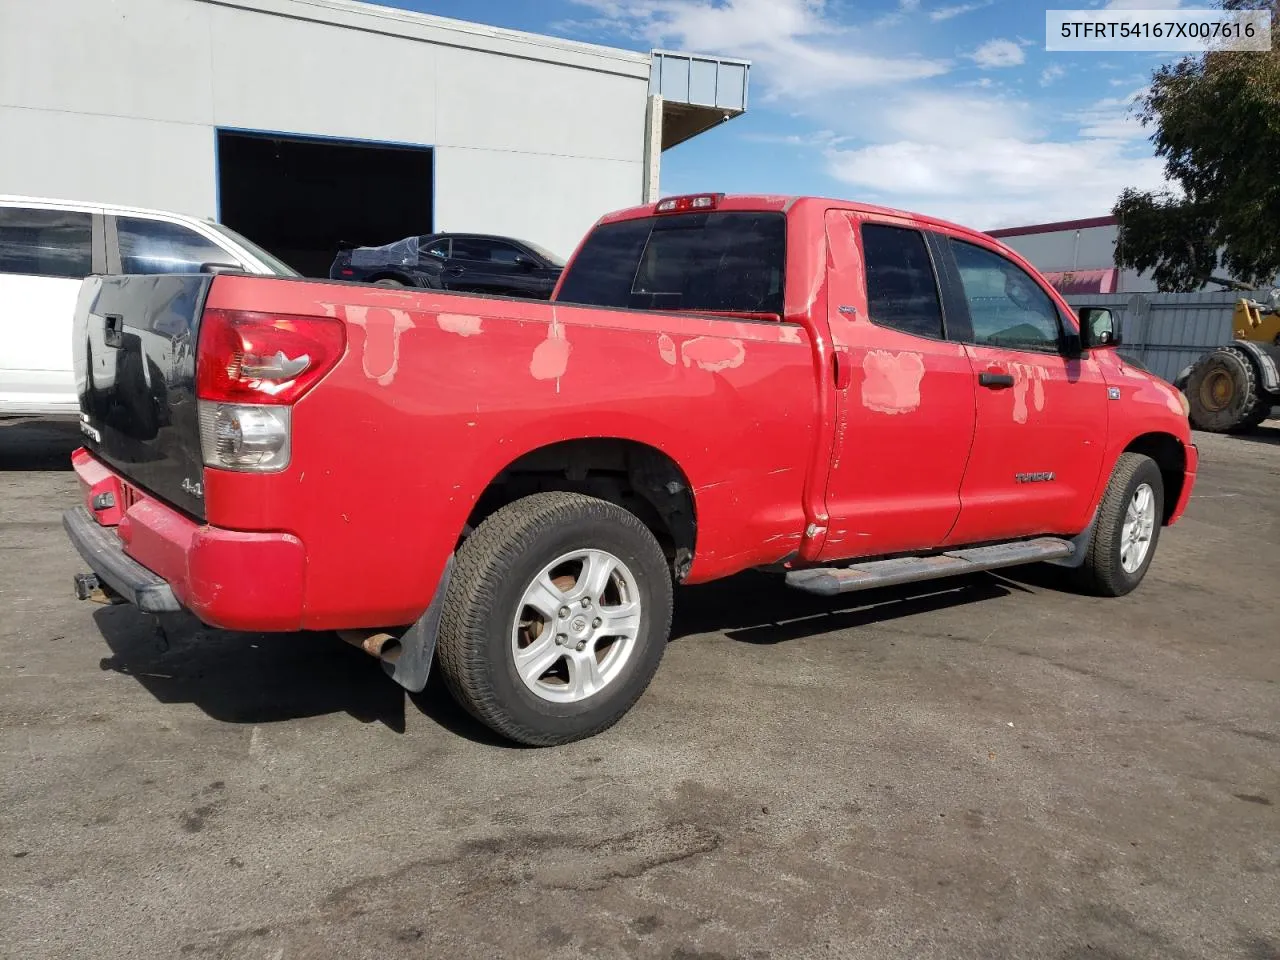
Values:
[(841, 368), (994, 380), (113, 330), (454, 271)]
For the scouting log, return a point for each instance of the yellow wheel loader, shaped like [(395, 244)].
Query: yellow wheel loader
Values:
[(1233, 388)]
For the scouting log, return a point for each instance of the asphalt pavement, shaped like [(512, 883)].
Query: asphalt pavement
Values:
[(986, 768)]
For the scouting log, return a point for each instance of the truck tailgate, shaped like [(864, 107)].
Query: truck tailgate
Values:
[(134, 344)]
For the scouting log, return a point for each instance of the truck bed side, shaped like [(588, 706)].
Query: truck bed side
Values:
[(437, 394)]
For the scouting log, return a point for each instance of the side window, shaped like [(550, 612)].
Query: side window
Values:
[(435, 251), (155, 246), (504, 253), (46, 243), (1008, 308), (465, 249), (902, 291)]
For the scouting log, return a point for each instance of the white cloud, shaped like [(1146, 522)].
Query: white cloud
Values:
[(1054, 71), (982, 161), (1114, 118), (1000, 182), (946, 13), (792, 42), (998, 53)]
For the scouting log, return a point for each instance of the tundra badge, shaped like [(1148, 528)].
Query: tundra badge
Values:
[(1044, 477)]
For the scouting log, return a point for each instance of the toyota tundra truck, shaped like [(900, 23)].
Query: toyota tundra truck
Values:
[(510, 490)]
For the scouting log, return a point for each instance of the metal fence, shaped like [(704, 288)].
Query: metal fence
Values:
[(1167, 331)]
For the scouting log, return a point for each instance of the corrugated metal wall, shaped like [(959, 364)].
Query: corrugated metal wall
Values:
[(1167, 331)]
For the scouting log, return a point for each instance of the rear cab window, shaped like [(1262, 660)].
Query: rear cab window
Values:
[(713, 262), (46, 243)]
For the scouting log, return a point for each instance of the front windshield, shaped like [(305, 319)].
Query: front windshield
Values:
[(273, 263), (544, 253)]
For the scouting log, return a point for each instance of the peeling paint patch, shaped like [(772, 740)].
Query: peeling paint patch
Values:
[(1027, 378), (667, 349), (380, 356), (551, 356), (460, 323), (713, 354), (892, 381), (330, 309), (790, 335)]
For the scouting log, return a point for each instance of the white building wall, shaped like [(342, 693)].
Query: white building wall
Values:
[(119, 100)]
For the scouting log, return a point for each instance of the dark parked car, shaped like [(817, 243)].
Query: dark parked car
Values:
[(465, 263)]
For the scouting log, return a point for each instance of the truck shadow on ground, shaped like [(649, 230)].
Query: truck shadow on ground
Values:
[(38, 444), (759, 608), (247, 678)]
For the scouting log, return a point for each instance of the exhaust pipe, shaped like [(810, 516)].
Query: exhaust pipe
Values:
[(377, 643)]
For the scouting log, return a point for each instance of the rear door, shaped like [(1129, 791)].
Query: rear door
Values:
[(483, 265), (905, 394), (44, 254), (1042, 416)]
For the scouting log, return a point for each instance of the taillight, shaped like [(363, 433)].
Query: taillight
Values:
[(250, 367), (700, 201), (264, 358)]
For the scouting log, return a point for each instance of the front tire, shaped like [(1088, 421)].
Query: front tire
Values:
[(1127, 528), (556, 618)]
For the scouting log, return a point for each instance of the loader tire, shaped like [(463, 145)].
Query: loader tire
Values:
[(1224, 393)]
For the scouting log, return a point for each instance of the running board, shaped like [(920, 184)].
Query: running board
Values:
[(828, 581)]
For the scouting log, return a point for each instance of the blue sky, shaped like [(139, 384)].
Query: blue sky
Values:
[(948, 107)]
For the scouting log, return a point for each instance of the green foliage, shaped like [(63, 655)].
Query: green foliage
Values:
[(1217, 128)]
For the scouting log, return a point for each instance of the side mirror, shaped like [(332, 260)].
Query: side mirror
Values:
[(1098, 328), (526, 263), (221, 268)]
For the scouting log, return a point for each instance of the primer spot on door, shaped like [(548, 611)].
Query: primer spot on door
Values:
[(892, 381)]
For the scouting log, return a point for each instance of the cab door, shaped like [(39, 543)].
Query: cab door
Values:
[(905, 408), (1042, 413)]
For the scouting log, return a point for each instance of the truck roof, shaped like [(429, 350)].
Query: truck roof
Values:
[(783, 203)]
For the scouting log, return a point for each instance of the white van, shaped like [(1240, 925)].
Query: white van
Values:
[(48, 246)]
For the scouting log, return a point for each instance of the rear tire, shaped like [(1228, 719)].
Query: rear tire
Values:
[(498, 649), (387, 282), (1224, 394), (1127, 528)]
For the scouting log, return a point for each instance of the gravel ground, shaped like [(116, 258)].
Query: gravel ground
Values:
[(986, 768)]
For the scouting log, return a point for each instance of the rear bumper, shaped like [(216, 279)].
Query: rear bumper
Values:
[(104, 553), (1188, 482), (162, 560)]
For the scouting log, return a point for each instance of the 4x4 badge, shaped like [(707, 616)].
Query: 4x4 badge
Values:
[(195, 489)]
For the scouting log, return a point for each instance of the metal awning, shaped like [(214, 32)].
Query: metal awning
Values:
[(698, 92)]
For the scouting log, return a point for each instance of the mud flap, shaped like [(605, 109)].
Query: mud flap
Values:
[(418, 644)]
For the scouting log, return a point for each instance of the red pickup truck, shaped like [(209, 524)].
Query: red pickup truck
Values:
[(849, 395)]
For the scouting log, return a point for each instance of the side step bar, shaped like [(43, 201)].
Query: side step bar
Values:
[(829, 581)]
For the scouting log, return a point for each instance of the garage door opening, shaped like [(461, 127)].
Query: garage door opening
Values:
[(300, 198)]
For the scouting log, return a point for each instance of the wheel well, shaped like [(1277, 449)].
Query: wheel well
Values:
[(1166, 450), (389, 275), (637, 477)]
